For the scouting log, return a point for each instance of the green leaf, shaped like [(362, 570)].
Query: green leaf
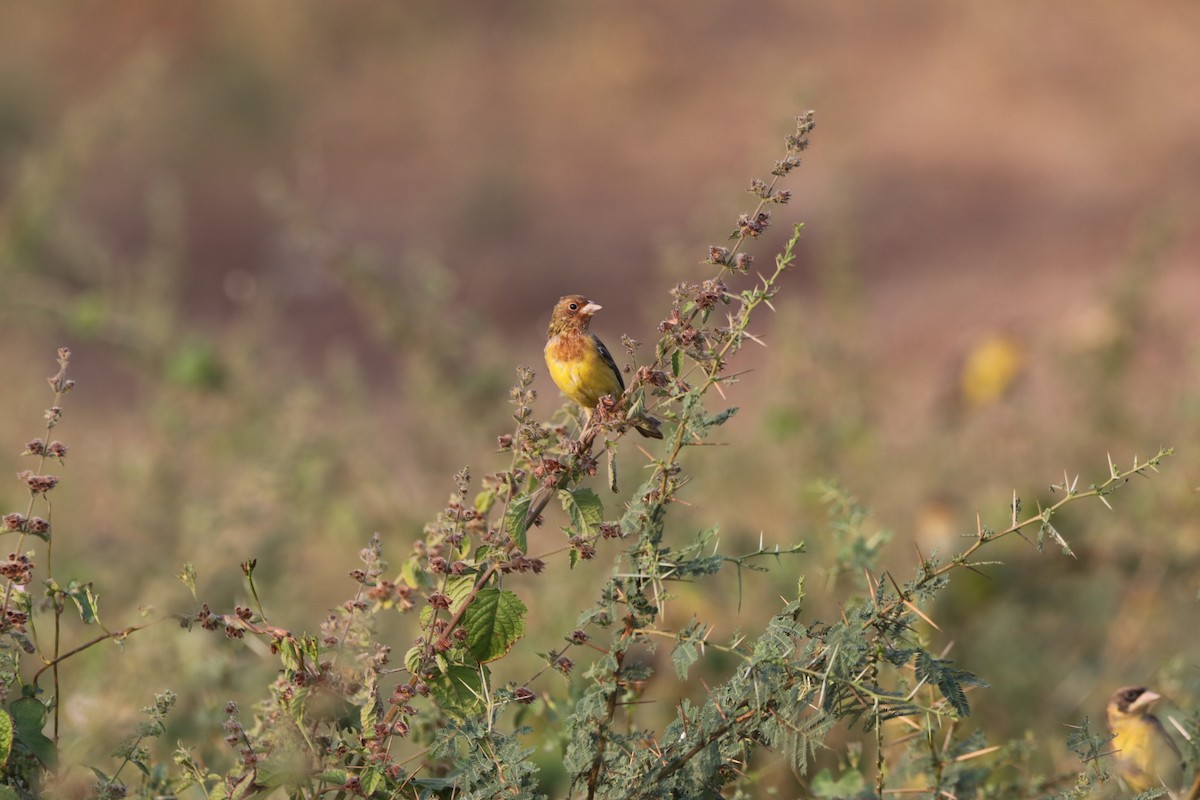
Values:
[(87, 601), (368, 714), (371, 778), (719, 418), (285, 767), (514, 520), (484, 501), (948, 679), (6, 737), (494, 622), (29, 717), (458, 588), (677, 363), (412, 659), (851, 784), (584, 509), (334, 776), (683, 656), (459, 691)]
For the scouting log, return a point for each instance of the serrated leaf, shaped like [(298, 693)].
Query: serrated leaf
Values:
[(459, 691), (412, 659), (6, 737), (371, 779), (458, 588), (368, 713), (584, 509), (514, 521), (494, 622)]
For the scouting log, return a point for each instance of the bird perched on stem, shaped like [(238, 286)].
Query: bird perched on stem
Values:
[(1146, 757), (581, 365)]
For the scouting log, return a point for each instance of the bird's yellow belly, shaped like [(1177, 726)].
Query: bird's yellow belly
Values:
[(580, 373)]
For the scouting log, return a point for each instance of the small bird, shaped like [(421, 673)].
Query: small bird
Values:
[(1146, 757), (581, 365)]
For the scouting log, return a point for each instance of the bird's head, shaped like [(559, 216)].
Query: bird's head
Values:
[(1131, 701), (572, 313)]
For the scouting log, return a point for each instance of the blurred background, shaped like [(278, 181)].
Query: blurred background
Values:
[(299, 249)]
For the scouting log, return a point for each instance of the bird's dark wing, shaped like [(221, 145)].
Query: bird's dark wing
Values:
[(608, 359)]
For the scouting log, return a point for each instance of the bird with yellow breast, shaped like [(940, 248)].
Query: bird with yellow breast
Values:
[(1146, 756), (580, 364)]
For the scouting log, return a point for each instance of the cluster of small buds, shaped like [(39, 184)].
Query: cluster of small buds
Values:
[(762, 190), (61, 386), (710, 292), (717, 255), (206, 618), (385, 591), (504, 441), (579, 636), (548, 470), (38, 484), (610, 530), (752, 225), (18, 568), (517, 562), (524, 696), (52, 415), (439, 600), (110, 789), (652, 377), (15, 620), (742, 262), (683, 332), (55, 449), (797, 143), (585, 548), (564, 665)]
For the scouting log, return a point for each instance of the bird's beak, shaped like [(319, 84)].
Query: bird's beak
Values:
[(1147, 699), (590, 308)]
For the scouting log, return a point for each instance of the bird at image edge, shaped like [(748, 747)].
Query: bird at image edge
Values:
[(1146, 757), (580, 364)]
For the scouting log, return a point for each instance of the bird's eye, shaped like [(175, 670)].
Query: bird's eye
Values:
[(574, 306), (1132, 694)]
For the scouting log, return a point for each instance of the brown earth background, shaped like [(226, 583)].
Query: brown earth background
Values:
[(298, 250)]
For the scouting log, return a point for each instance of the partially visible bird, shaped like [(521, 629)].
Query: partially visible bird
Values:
[(1146, 757), (581, 365), (990, 370)]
